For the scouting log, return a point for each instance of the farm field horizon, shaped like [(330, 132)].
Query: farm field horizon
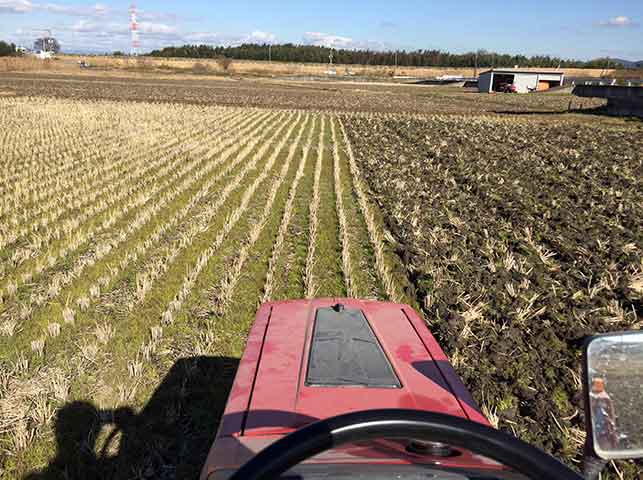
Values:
[(143, 221)]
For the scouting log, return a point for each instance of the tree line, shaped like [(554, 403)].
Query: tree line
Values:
[(417, 58), (48, 44), (7, 49)]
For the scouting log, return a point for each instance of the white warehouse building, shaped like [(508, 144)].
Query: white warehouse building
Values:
[(524, 81)]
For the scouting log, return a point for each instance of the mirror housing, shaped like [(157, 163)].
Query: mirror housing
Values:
[(613, 391)]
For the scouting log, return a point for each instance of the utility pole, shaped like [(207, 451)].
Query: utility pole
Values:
[(270, 53), (475, 68), (330, 56), (395, 71), (604, 73)]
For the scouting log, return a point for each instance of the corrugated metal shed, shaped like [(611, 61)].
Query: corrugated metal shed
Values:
[(524, 81)]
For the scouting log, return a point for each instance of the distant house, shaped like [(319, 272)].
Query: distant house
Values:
[(43, 55), (523, 81)]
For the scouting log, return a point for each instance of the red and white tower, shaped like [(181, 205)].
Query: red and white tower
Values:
[(136, 44)]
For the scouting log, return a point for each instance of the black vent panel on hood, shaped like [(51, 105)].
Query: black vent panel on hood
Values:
[(345, 352)]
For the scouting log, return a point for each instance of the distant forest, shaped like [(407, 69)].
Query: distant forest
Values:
[(419, 58)]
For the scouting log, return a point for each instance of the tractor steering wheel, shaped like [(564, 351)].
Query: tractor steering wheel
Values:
[(326, 434)]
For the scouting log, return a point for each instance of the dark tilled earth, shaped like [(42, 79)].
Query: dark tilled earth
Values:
[(337, 96), (520, 237)]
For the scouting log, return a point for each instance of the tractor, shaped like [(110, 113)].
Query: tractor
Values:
[(355, 389)]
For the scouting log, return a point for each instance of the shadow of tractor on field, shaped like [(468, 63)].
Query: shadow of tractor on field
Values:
[(169, 438)]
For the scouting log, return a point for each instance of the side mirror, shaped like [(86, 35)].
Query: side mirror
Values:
[(613, 381)]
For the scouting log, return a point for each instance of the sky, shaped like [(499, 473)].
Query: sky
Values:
[(570, 29)]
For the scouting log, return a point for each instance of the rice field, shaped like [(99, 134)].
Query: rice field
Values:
[(136, 235), (143, 221)]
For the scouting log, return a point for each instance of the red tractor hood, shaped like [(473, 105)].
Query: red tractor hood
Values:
[(273, 393)]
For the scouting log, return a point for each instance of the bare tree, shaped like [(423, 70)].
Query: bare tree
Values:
[(47, 44)]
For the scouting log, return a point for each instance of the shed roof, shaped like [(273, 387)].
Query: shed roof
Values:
[(517, 70)]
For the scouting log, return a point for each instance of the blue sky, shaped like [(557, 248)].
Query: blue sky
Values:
[(572, 29)]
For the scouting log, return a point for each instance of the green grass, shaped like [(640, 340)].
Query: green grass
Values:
[(124, 347), (365, 281), (327, 271), (290, 268), (191, 367), (19, 344), (145, 182)]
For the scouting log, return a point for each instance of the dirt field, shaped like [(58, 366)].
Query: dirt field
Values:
[(325, 96), (143, 220), (69, 64), (520, 238)]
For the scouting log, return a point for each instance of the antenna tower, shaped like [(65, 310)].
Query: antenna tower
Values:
[(136, 44), (46, 41)]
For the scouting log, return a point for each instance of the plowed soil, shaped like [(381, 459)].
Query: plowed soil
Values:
[(520, 238)]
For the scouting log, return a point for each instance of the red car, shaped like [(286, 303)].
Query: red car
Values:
[(338, 389)]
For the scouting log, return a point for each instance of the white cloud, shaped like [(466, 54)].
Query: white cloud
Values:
[(149, 29), (84, 26), (99, 27), (98, 10), (327, 40), (156, 16), (15, 6), (261, 37), (336, 41), (204, 37), (96, 36), (215, 38), (26, 6), (620, 21)]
